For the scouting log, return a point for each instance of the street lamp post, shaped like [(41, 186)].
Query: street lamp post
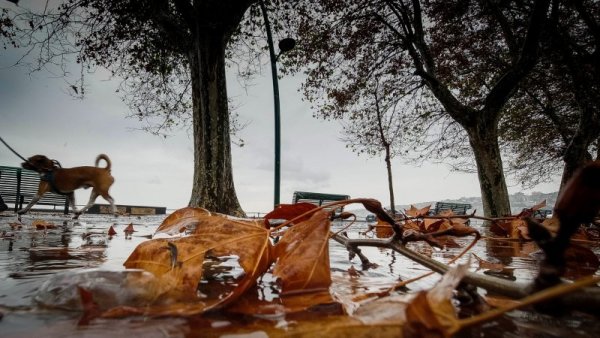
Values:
[(284, 46)]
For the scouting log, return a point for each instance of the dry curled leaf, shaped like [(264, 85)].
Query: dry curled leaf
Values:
[(528, 212), (414, 212), (431, 313), (432, 225), (289, 212), (512, 228), (129, 229)]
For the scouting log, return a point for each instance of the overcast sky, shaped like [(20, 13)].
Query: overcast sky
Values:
[(37, 116)]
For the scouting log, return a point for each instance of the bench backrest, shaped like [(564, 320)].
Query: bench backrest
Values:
[(318, 199), (18, 185), (457, 208), (542, 213)]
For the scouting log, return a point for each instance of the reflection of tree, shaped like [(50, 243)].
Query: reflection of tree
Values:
[(501, 250), (392, 261)]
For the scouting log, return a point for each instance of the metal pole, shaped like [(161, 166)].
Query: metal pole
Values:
[(276, 105)]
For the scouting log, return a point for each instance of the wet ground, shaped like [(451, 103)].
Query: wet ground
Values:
[(29, 255)]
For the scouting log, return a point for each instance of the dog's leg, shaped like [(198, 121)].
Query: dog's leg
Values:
[(93, 197), (30, 205), (111, 200), (71, 198), (43, 188)]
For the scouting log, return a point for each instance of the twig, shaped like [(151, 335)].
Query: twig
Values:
[(352, 250), (587, 299)]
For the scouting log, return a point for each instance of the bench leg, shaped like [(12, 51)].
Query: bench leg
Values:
[(3, 205)]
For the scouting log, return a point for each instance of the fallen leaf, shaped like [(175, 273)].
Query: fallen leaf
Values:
[(460, 229), (414, 212), (512, 228), (15, 225), (289, 212), (431, 313), (483, 264), (384, 231), (303, 256), (180, 263), (182, 219), (129, 229), (41, 224), (415, 225), (432, 225), (528, 212)]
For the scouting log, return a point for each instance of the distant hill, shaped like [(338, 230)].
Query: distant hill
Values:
[(518, 202)]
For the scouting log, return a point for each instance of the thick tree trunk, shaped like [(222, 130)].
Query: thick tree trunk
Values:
[(576, 155), (494, 193), (213, 186)]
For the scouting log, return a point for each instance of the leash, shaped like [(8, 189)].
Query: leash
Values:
[(55, 162), (48, 177), (14, 152)]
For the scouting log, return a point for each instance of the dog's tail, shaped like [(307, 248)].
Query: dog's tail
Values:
[(105, 158)]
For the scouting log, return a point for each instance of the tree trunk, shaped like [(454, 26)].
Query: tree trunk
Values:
[(388, 162), (213, 186), (494, 193), (576, 155)]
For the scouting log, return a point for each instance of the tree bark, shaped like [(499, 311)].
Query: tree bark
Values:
[(213, 186), (494, 193)]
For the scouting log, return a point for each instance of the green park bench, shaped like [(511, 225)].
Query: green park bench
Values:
[(18, 186), (318, 199), (457, 208)]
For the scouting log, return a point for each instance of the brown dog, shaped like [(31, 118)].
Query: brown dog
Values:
[(66, 181)]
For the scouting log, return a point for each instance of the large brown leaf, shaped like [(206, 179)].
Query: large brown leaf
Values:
[(181, 263), (303, 256)]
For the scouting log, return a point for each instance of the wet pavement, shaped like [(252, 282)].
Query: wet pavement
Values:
[(30, 255)]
